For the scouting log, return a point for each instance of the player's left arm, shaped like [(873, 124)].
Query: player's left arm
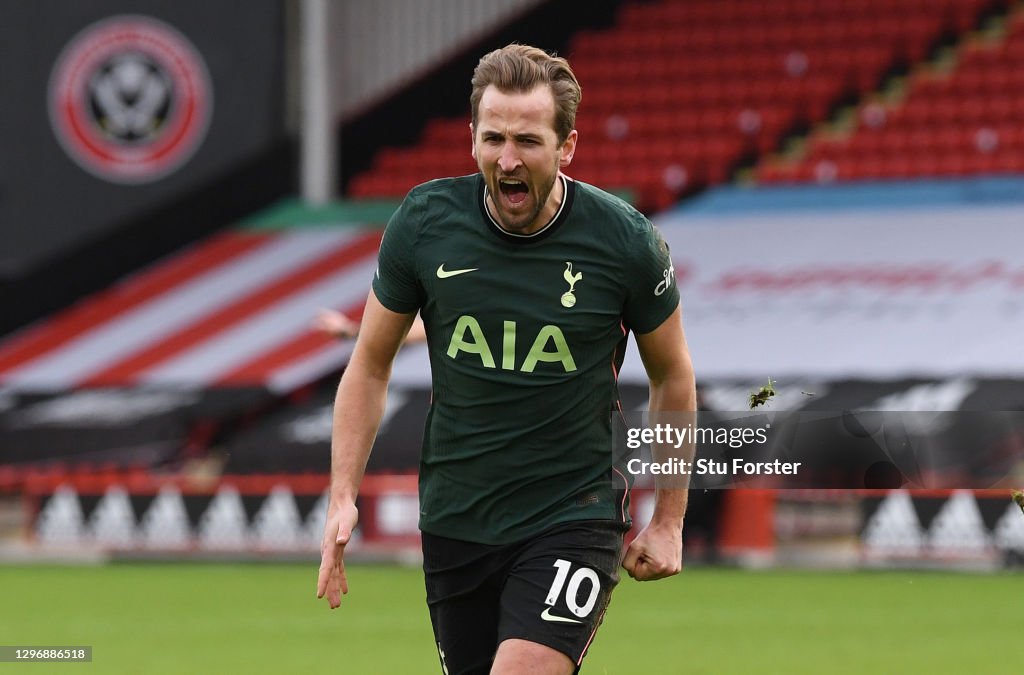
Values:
[(657, 551)]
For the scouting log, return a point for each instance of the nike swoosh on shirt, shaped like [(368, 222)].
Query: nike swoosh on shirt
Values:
[(548, 616), (442, 273)]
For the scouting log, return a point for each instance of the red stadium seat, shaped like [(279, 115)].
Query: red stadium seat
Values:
[(700, 84)]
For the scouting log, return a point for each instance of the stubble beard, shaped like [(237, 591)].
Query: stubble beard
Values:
[(520, 223)]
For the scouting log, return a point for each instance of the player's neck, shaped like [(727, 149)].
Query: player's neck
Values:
[(552, 206)]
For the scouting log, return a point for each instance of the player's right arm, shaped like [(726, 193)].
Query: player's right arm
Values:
[(358, 409), (359, 405), (340, 327)]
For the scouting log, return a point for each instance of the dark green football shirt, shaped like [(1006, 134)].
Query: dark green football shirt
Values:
[(526, 336)]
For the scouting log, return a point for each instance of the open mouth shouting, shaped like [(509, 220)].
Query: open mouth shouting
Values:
[(513, 191)]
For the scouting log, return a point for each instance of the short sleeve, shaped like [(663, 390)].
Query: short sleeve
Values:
[(652, 291), (395, 283)]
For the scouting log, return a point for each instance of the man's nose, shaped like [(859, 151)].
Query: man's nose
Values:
[(509, 160)]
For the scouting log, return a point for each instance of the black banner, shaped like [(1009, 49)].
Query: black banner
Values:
[(115, 108), (129, 426)]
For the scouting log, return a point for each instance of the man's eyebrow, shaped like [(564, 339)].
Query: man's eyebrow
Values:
[(520, 137)]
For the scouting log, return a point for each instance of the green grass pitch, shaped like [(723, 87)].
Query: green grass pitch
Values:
[(199, 618)]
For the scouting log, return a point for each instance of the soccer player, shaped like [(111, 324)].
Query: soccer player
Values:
[(528, 283)]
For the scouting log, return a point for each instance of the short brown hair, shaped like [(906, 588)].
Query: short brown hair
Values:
[(519, 69)]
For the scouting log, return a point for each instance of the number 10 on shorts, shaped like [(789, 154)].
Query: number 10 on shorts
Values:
[(573, 588)]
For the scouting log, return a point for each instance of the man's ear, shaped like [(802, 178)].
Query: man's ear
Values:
[(568, 149), (472, 136)]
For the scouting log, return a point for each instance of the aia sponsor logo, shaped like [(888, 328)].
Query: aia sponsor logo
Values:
[(130, 99)]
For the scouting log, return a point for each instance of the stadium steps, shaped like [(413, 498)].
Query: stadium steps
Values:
[(679, 95), (955, 144)]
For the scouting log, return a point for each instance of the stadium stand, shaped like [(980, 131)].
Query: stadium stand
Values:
[(678, 95), (958, 115)]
